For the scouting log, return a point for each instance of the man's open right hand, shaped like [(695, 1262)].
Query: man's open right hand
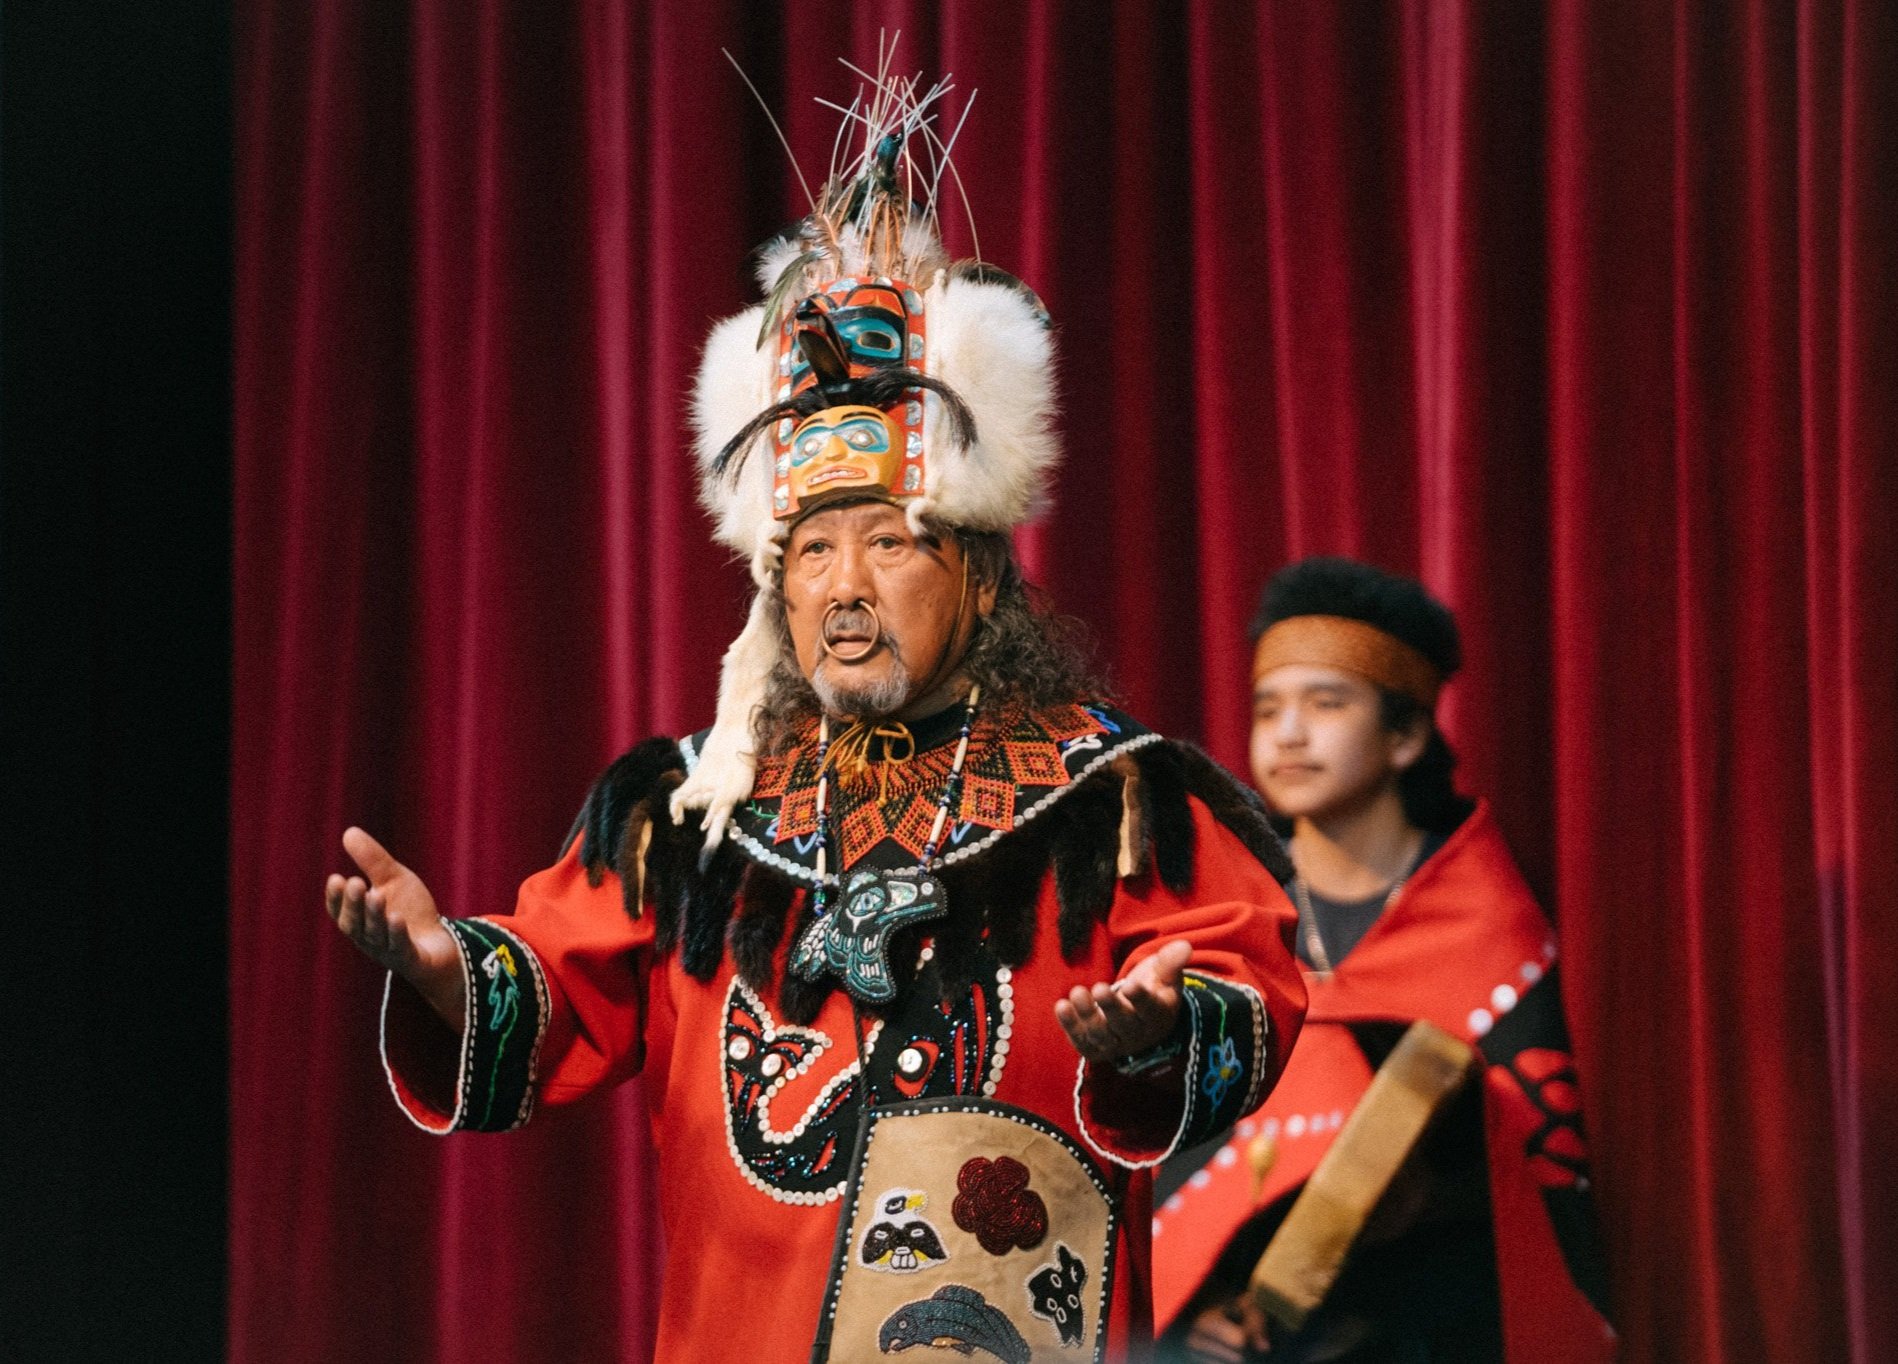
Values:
[(392, 917)]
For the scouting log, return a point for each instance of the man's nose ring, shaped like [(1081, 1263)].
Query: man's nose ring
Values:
[(876, 632)]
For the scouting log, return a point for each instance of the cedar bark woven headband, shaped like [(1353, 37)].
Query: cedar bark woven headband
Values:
[(1353, 645)]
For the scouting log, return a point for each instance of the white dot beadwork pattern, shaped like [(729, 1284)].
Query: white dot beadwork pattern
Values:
[(819, 1044), (1005, 996), (798, 1128)]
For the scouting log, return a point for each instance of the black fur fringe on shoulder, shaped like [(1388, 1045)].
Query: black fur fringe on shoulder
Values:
[(764, 906), (1086, 858), (633, 777), (706, 909), (1168, 838), (1000, 889), (800, 1000), (1238, 807), (672, 866), (733, 901)]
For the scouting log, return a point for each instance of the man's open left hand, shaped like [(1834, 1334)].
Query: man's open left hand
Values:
[(1136, 1013)]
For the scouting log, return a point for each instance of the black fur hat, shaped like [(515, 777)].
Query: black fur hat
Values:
[(1397, 605)]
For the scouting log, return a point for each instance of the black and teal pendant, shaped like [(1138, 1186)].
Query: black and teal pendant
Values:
[(852, 942)]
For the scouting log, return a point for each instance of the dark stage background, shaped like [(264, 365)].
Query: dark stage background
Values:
[(1583, 312), (115, 466)]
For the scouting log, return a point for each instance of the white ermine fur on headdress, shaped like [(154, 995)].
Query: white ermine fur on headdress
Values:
[(988, 340)]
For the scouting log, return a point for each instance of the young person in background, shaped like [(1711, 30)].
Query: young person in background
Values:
[(1410, 907)]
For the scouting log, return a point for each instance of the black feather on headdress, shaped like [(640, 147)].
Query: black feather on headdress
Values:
[(879, 388)]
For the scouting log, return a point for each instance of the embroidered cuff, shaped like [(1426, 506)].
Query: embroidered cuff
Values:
[(1228, 1058), (1154, 1058), (1226, 1036), (493, 1065)]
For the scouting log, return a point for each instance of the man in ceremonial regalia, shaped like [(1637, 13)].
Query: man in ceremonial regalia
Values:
[(926, 953)]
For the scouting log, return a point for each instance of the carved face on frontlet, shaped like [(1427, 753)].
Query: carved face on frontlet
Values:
[(841, 450), (869, 324), (871, 318)]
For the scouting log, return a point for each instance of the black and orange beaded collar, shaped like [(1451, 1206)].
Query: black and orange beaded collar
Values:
[(1020, 762)]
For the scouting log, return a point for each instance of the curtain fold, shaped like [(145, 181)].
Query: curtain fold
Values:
[(1585, 314)]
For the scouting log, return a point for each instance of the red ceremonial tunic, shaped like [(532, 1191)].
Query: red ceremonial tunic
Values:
[(1465, 946), (747, 1110)]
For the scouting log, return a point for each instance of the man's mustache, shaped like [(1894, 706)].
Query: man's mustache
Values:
[(854, 624)]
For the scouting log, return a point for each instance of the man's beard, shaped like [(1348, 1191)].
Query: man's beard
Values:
[(867, 700)]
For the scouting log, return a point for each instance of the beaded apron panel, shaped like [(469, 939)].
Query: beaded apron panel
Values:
[(973, 1227)]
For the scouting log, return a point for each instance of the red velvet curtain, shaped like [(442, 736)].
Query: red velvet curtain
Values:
[(1587, 313)]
